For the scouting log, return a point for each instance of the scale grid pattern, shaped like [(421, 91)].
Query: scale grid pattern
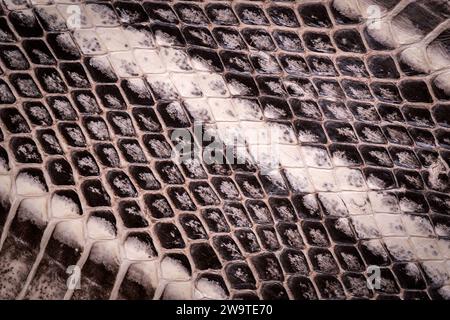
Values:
[(330, 122)]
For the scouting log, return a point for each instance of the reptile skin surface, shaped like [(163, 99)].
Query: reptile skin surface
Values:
[(225, 149)]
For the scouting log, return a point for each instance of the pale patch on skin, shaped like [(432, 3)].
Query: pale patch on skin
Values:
[(416, 48)]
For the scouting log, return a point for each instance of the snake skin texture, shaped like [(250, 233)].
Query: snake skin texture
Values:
[(330, 122)]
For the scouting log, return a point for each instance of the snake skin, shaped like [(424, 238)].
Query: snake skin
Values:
[(343, 169)]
